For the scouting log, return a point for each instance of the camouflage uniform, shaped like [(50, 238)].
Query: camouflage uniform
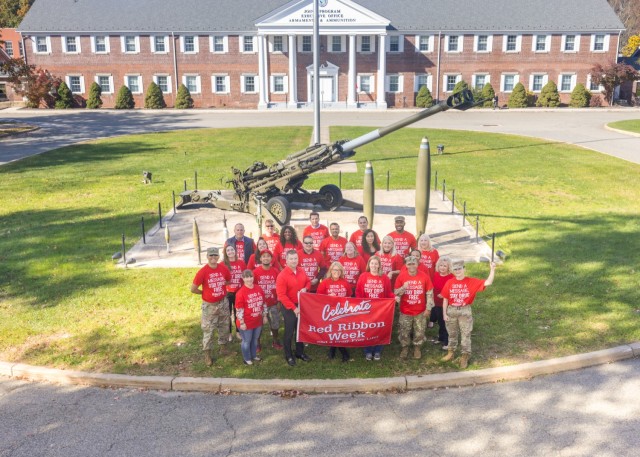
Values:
[(215, 315), (406, 323), (460, 321), (273, 313)]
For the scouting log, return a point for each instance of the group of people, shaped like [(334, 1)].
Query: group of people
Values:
[(259, 284)]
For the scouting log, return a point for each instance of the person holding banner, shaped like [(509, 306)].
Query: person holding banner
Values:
[(390, 261), (373, 284), (353, 266), (290, 283), (336, 285), (235, 266), (251, 313), (415, 295)]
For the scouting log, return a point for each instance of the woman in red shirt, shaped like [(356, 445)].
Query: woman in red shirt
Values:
[(251, 313), (336, 285), (236, 267), (428, 254), (254, 260), (369, 245), (288, 241), (440, 278), (391, 263), (353, 265)]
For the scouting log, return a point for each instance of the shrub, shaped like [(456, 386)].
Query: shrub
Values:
[(549, 96), (424, 98), (596, 101), (580, 96), (487, 93), (460, 86), (518, 98), (124, 99), (154, 98), (183, 98), (94, 101), (65, 97)]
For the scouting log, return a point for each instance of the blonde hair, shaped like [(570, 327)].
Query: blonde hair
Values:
[(393, 244), (333, 266), (444, 259), (426, 237)]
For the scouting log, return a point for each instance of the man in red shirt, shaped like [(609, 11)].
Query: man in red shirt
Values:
[(265, 276), (403, 240), (290, 283), (415, 294), (270, 235), (316, 230), (311, 261), (457, 296), (213, 278), (332, 248)]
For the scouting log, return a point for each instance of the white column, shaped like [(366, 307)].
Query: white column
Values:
[(263, 71), (293, 71), (351, 93), (382, 71)]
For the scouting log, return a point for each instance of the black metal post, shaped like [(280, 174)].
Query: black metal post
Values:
[(185, 185), (493, 244), (196, 178), (477, 229), (144, 236), (388, 179), (173, 192), (464, 213), (453, 200), (340, 179), (160, 214), (435, 187), (124, 251), (444, 189)]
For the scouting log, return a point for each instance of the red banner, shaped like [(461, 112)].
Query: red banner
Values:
[(345, 322)]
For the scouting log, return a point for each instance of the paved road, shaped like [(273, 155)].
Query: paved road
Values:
[(582, 127), (592, 412)]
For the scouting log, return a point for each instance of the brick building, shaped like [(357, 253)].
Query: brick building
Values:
[(373, 53)]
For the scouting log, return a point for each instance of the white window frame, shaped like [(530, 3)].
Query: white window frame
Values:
[(503, 80), (476, 39), (68, 81), (152, 44), (545, 80), (243, 39), (400, 39), (300, 43), (605, 43), (8, 48), (372, 79), (284, 44), (547, 43), (474, 79), (107, 46), (387, 83), (372, 43), (445, 78), (243, 82), (227, 86), (97, 80), (140, 86), (123, 44), (47, 42), (460, 41), (343, 43), (572, 82), (65, 48), (505, 39), (198, 82), (576, 43), (429, 82), (183, 44), (225, 44), (588, 86), (285, 83), (430, 43), (163, 75)]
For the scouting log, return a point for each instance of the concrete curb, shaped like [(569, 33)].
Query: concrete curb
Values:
[(322, 386), (623, 132)]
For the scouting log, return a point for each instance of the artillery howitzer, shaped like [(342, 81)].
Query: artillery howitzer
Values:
[(279, 185)]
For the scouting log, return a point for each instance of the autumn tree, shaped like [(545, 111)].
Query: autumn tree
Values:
[(611, 76), (632, 45), (12, 12), (34, 84)]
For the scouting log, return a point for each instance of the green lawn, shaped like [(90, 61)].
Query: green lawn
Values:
[(566, 217), (631, 125)]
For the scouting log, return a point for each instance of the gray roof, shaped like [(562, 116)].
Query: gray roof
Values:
[(64, 16)]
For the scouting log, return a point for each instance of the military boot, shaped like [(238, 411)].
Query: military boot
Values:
[(404, 353), (449, 356), (464, 360), (416, 352), (207, 358)]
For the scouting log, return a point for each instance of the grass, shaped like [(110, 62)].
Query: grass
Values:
[(630, 125), (566, 217)]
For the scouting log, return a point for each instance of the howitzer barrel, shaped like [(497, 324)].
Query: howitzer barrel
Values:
[(459, 100)]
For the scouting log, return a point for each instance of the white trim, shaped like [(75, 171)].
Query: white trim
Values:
[(256, 81), (489, 43), (430, 43), (136, 44), (572, 83), (372, 44), (459, 46), (545, 80), (576, 43), (272, 83), (400, 44), (47, 42), (387, 83), (518, 43), (429, 83), (300, 43), (284, 44), (111, 89), (165, 75), (76, 39), (372, 83), (588, 86), (516, 80), (241, 40), (225, 43), (107, 45), (196, 44), (68, 81), (547, 43), (445, 77), (474, 79), (152, 44), (343, 44), (605, 47), (226, 83), (198, 82), (140, 86)]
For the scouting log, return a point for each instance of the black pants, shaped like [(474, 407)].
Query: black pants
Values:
[(231, 298), (438, 316), (290, 324)]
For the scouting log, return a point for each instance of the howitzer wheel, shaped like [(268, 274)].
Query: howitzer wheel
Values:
[(330, 197), (280, 209)]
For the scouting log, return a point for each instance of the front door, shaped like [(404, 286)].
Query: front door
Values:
[(327, 94)]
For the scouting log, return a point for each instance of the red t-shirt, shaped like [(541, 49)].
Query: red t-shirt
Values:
[(462, 292), (353, 268), (339, 288), (266, 279), (213, 282), (428, 259), (311, 264), (356, 238), (404, 242), (318, 234), (371, 286), (332, 249), (253, 263), (414, 299), (438, 284), (236, 270), (389, 263), (280, 253), (272, 241), (250, 303), (288, 284)]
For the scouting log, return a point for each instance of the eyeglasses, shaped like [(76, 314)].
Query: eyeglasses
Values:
[(308, 242), (214, 255)]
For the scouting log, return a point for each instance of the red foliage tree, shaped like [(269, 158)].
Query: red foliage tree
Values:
[(35, 84), (611, 76)]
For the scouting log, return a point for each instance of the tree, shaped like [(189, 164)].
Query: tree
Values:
[(629, 13), (65, 97), (12, 12), (487, 94), (154, 98), (518, 98), (632, 45), (183, 98), (94, 101), (611, 76), (124, 99), (580, 97), (460, 86), (424, 98), (549, 96), (34, 84)]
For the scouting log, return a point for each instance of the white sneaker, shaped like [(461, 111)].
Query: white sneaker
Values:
[(376, 356), (368, 357), (230, 338), (248, 362), (445, 348)]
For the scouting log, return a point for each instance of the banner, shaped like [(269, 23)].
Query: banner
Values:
[(345, 322)]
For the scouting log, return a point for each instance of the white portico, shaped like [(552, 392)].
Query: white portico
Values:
[(349, 33)]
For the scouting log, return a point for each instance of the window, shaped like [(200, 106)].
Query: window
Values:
[(130, 44), (278, 83), (42, 44), (20, 48), (592, 86), (570, 43), (509, 82), (192, 82), (424, 43), (278, 43), (247, 44), (307, 43), (451, 81), (249, 84), (71, 44), (540, 43), (479, 81), (134, 83), (106, 83), (537, 82), (220, 84), (422, 80), (365, 84), (189, 44), (453, 43), (8, 46), (100, 44), (365, 43), (599, 43), (566, 83), (512, 43), (219, 44), (394, 83), (163, 82), (483, 43), (336, 43), (396, 43), (76, 84), (159, 44)]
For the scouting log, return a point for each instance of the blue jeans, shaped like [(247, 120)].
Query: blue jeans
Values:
[(249, 344), (373, 350)]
